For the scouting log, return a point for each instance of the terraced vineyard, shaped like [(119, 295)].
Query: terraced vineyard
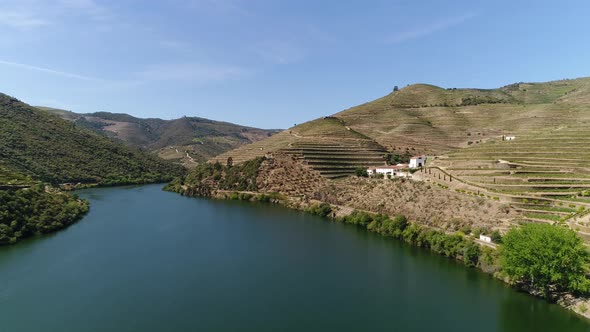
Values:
[(326, 145), (425, 119), (545, 173), (334, 159)]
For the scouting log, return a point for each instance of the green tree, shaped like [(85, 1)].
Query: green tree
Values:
[(496, 237), (471, 254), (546, 258), (361, 172)]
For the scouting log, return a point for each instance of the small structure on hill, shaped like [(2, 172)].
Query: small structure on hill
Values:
[(418, 161), (509, 138), (399, 170), (485, 238)]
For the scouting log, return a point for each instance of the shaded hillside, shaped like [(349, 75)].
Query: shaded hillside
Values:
[(427, 119), (37, 145), (188, 139)]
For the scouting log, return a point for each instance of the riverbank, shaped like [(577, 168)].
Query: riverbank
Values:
[(458, 246), (39, 209)]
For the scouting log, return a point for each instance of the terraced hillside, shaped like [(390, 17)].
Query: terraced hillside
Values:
[(326, 144), (433, 120), (545, 172), (424, 119), (337, 159)]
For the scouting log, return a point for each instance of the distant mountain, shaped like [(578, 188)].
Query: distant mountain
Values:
[(189, 139), (38, 146)]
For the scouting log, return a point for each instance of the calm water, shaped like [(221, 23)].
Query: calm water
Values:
[(148, 260)]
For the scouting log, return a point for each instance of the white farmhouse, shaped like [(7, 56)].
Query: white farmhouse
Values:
[(399, 170), (418, 161), (485, 238), (509, 138)]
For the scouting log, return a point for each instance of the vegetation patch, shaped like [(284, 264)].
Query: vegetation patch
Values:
[(33, 211), (205, 178), (546, 259), (49, 149)]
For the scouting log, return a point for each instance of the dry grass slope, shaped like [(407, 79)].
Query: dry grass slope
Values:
[(544, 174), (427, 119)]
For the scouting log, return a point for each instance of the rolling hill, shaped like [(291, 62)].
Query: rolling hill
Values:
[(38, 146), (189, 139), (425, 119), (542, 171)]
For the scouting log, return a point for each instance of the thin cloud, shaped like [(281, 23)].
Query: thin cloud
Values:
[(84, 7), (50, 71), (428, 29), (39, 13), (21, 19)]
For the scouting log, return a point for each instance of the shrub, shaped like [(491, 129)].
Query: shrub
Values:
[(471, 254), (496, 237), (322, 209), (361, 172)]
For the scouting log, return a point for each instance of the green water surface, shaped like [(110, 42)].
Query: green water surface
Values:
[(148, 260)]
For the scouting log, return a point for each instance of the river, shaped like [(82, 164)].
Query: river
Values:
[(148, 260)]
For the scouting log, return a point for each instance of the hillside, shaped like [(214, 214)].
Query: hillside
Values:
[(38, 146), (188, 139), (525, 146), (425, 119)]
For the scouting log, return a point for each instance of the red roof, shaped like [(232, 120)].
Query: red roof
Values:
[(416, 157)]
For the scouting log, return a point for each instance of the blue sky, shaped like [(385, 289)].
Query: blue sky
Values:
[(272, 64)]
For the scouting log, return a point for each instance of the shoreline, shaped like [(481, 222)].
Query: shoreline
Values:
[(578, 305), (70, 192)]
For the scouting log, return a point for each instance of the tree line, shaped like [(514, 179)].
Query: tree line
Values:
[(546, 260)]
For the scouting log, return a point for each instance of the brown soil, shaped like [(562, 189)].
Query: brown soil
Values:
[(426, 204), (422, 202), (285, 174)]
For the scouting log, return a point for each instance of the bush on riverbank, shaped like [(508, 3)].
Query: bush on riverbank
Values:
[(263, 198), (322, 209), (455, 246), (32, 211), (545, 258)]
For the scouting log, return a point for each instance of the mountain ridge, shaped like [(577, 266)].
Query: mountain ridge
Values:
[(38, 146), (186, 139)]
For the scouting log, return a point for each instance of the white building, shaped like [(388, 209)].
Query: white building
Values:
[(509, 138), (485, 238), (399, 170), (417, 161)]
